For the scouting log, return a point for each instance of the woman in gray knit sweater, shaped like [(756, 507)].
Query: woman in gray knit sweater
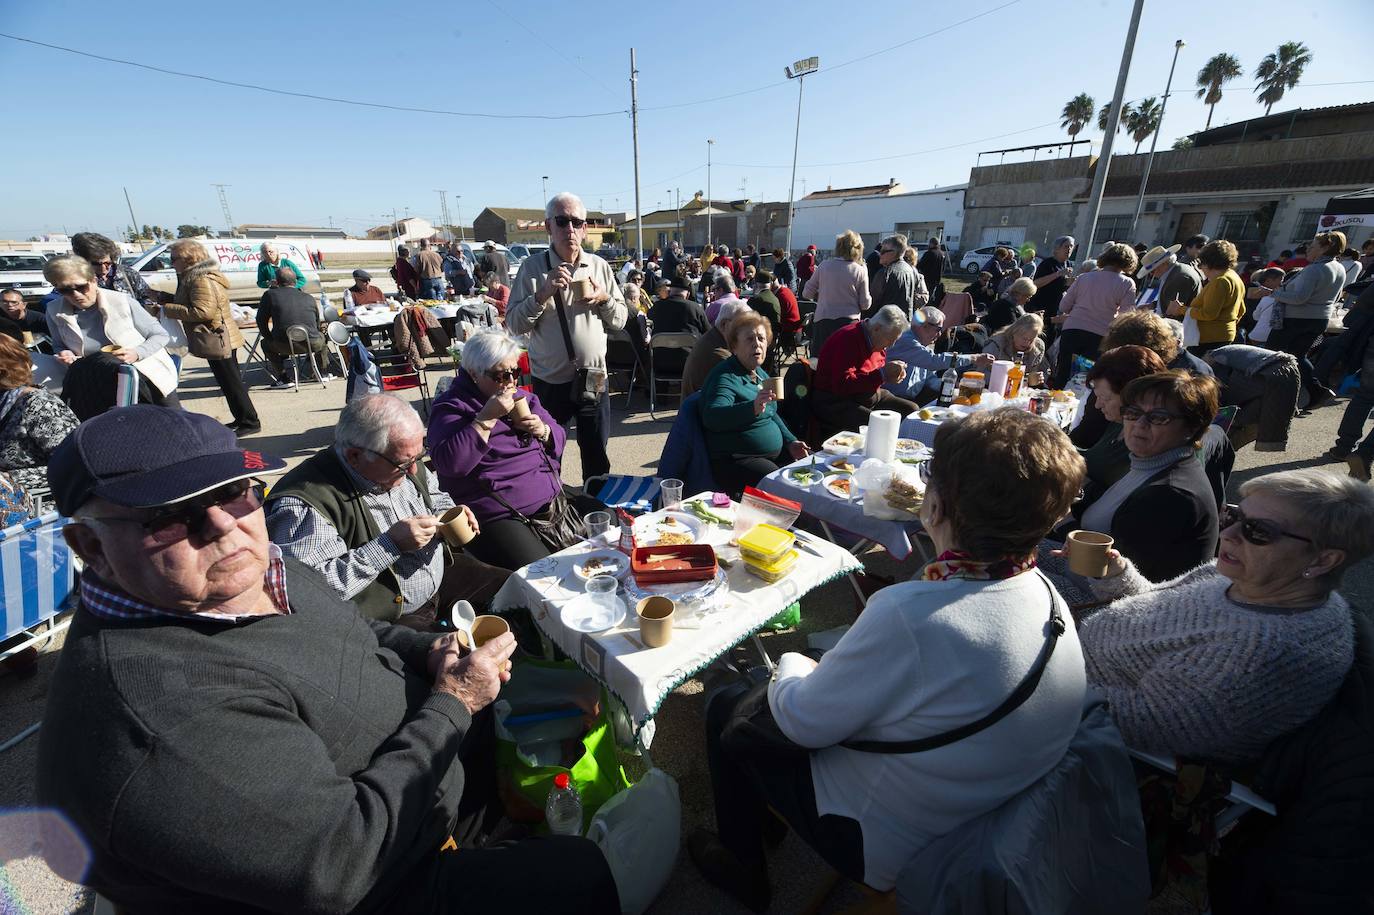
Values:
[(1224, 659)]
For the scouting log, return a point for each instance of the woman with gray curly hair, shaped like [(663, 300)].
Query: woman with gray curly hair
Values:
[(1087, 309), (1220, 661), (103, 254)]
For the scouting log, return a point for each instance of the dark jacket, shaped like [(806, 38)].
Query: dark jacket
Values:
[(931, 266), (1169, 525), (767, 304), (33, 321), (292, 763), (1317, 855), (678, 316), (285, 306), (1001, 314), (322, 482)]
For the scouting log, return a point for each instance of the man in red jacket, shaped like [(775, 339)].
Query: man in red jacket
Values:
[(852, 369), (806, 265)]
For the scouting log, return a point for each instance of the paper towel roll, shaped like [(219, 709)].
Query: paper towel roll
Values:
[(883, 429), (997, 379)]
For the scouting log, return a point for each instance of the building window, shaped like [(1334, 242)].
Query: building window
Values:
[(1240, 227), (1305, 227), (1113, 228)]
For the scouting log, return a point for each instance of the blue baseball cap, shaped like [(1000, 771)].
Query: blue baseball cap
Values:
[(146, 456)]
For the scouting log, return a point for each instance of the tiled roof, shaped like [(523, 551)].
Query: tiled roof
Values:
[(868, 191)]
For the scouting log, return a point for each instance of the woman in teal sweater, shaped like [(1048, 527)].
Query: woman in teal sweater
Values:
[(745, 437)]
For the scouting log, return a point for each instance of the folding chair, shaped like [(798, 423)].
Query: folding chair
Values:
[(397, 374), (298, 333), (667, 343), (623, 354), (1242, 799), (339, 335), (634, 494)]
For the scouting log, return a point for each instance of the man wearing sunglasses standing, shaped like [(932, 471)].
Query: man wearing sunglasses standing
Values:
[(261, 746), (364, 514), (567, 300)]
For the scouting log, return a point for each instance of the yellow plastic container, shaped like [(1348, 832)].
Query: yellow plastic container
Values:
[(776, 570), (766, 544)]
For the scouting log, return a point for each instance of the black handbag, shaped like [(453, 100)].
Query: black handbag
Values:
[(561, 528), (752, 723)]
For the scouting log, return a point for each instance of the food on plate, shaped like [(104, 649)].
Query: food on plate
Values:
[(802, 476), (845, 440), (698, 508), (672, 532), (903, 496), (909, 446), (842, 466), (1061, 396), (840, 486), (601, 563)]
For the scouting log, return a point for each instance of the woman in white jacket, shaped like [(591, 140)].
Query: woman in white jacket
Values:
[(88, 318), (926, 657)]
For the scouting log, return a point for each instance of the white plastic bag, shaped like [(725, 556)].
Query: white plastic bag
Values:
[(638, 832), (1190, 330), (875, 479)]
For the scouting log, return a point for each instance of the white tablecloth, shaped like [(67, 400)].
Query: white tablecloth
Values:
[(639, 677), (923, 430), (847, 514), (376, 316)]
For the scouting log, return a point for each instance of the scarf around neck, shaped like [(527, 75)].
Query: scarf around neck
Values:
[(958, 564)]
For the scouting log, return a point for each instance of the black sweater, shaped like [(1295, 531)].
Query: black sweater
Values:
[(296, 763)]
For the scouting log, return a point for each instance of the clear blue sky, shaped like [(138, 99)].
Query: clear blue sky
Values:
[(80, 129)]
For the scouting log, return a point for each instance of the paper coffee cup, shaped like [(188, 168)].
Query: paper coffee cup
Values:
[(775, 384), (1088, 553), (112, 348), (521, 409), (655, 620), (486, 628), (581, 290), (454, 527)]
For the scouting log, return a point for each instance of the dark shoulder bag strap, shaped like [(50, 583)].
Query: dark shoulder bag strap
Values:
[(562, 313), (1018, 696)]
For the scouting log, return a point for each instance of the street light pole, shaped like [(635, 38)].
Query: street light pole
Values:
[(458, 203), (709, 144), (634, 130), (1104, 158), (1150, 159), (801, 68), (544, 183)]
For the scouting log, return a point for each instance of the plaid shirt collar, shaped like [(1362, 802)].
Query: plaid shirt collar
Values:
[(108, 602)]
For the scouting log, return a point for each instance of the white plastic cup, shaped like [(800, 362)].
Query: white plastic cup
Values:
[(601, 589), (670, 494), (598, 523)]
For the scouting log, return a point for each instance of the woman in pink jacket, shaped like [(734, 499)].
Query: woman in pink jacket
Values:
[(839, 287), (1088, 307)]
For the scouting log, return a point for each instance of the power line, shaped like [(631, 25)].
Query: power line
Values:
[(308, 95)]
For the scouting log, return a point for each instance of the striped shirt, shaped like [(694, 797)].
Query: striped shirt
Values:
[(108, 602)]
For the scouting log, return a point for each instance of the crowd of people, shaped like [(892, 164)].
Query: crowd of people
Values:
[(215, 618)]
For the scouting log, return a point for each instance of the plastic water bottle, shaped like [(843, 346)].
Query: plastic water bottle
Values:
[(949, 384), (563, 809)]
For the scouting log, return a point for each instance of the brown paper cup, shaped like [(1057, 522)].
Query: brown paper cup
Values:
[(486, 628), (775, 384), (1088, 553), (655, 620), (521, 409), (581, 290), (454, 527), (111, 348)]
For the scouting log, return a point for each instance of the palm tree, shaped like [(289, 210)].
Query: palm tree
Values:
[(1077, 113), (1280, 71), (1218, 71), (1144, 120), (1105, 112)]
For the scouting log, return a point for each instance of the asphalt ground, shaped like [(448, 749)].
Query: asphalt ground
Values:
[(297, 423)]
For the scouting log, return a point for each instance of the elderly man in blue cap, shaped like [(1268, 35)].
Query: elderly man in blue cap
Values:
[(228, 735)]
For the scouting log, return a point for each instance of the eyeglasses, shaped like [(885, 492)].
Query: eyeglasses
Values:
[(105, 264), (500, 375), (1153, 417), (176, 522), (1257, 531), (68, 290), (406, 467), (563, 221)]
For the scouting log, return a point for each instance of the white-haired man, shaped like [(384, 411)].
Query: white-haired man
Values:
[(896, 282), (271, 260), (364, 515), (915, 349), (567, 300), (852, 368), (261, 747)]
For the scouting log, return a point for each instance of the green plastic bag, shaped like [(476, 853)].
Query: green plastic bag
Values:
[(545, 687), (789, 618)]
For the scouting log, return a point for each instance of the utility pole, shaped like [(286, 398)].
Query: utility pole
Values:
[(677, 213), (224, 205), (801, 68), (392, 233), (1104, 159), (134, 218), (709, 144), (544, 186), (443, 212), (634, 130), (1150, 159), (457, 202)]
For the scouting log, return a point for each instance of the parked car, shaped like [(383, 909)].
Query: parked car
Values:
[(475, 250), (23, 270), (238, 261), (532, 249), (973, 262)]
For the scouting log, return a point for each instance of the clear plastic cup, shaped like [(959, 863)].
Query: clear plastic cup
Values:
[(670, 494), (598, 523), (601, 590)]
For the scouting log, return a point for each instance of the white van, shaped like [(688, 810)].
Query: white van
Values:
[(238, 261)]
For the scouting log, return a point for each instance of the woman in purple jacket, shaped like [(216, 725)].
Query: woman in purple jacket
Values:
[(505, 469)]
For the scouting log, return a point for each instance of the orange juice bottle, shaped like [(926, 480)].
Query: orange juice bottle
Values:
[(1016, 375)]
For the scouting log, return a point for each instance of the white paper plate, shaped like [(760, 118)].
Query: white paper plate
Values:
[(613, 562), (582, 615), (830, 486), (647, 527), (844, 443), (790, 475)]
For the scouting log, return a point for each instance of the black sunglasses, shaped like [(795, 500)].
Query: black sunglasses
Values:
[(1256, 531), (562, 221), (68, 290), (176, 522), (499, 375)]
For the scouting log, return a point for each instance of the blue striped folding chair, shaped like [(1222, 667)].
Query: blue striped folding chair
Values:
[(634, 494), (37, 574)]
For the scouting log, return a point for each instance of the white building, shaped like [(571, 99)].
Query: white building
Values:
[(878, 211)]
